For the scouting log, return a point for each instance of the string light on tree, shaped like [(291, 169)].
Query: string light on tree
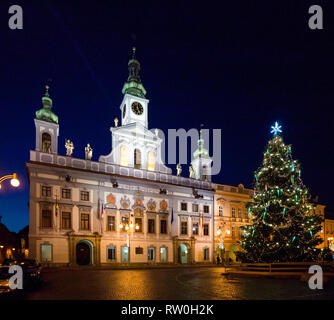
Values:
[(284, 225)]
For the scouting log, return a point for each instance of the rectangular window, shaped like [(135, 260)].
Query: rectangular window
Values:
[(84, 195), (195, 207), (163, 226), (66, 193), (46, 218), (46, 191), (220, 211), (66, 220), (184, 206), (239, 213), (206, 209), (206, 254), (124, 223), (111, 223), (138, 225), (163, 254), (151, 226), (233, 232), (139, 250), (206, 229), (46, 252), (184, 227), (195, 228), (111, 253), (240, 232), (233, 212), (84, 221), (150, 254)]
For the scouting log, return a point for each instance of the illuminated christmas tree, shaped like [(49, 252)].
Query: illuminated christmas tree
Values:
[(284, 226)]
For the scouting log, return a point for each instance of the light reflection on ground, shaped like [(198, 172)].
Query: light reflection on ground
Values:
[(170, 284)]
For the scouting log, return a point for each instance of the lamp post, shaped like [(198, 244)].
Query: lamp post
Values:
[(129, 229), (14, 180), (221, 232), (1, 248)]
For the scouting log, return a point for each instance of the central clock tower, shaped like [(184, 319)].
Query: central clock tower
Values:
[(134, 106)]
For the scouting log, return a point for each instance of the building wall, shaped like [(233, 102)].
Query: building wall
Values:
[(132, 198), (229, 215)]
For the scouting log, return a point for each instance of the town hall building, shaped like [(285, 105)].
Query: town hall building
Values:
[(127, 207)]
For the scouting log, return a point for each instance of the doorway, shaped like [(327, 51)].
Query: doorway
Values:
[(83, 253), (183, 254)]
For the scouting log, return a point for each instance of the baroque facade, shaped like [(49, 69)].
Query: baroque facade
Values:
[(127, 207)]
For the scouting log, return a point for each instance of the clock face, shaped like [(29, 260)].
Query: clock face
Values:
[(124, 110), (137, 108)]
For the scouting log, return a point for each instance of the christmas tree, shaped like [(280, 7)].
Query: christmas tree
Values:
[(284, 226)]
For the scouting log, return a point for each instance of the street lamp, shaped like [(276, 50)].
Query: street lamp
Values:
[(129, 228), (14, 180)]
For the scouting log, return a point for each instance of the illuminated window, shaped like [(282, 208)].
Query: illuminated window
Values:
[(111, 223), (46, 252), (124, 156), (137, 159), (151, 161), (233, 212)]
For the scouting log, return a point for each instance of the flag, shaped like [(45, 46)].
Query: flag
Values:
[(202, 219), (172, 217), (102, 210), (57, 206)]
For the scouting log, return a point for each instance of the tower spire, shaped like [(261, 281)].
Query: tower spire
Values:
[(45, 113), (133, 85)]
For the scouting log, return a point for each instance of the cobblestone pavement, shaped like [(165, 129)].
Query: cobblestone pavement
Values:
[(168, 284)]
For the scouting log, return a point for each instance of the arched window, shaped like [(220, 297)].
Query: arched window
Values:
[(151, 161), (137, 159), (124, 156), (46, 143)]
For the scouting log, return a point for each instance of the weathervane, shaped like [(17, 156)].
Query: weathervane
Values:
[(276, 129)]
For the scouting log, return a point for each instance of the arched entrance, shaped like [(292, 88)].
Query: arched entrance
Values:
[(183, 254), (84, 253)]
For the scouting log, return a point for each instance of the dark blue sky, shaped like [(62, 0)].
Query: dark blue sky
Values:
[(235, 65)]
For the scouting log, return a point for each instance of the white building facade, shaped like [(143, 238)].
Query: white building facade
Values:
[(127, 207)]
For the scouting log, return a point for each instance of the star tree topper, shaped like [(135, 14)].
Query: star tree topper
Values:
[(276, 129)]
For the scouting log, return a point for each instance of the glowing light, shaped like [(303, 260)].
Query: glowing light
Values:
[(276, 129), (228, 231), (15, 182)]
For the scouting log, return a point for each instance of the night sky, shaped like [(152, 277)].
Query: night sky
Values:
[(235, 65)]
